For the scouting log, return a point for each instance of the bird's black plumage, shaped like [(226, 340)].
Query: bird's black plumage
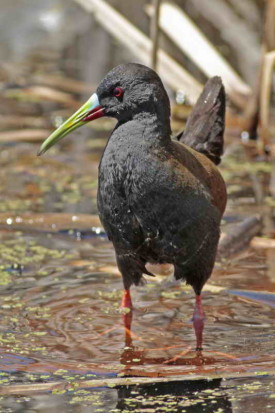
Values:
[(161, 201)]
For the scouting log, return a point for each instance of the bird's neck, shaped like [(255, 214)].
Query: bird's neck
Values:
[(155, 128)]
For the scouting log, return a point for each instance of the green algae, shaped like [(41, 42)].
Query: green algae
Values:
[(110, 295), (60, 372), (171, 294), (233, 165), (5, 277), (15, 205), (58, 391), (20, 252)]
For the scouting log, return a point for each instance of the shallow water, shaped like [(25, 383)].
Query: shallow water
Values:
[(61, 327)]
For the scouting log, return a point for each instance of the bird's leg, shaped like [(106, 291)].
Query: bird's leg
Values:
[(126, 304), (126, 300), (198, 322)]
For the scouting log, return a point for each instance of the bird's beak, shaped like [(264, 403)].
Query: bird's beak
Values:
[(89, 111)]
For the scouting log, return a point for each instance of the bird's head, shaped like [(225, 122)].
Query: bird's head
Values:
[(128, 91)]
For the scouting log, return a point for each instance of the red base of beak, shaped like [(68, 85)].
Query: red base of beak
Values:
[(94, 114)]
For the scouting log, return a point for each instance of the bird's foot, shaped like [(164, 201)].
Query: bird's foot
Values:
[(198, 322)]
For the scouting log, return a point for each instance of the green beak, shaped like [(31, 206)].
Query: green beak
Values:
[(89, 111)]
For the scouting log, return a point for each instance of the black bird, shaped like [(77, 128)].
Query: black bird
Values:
[(160, 200)]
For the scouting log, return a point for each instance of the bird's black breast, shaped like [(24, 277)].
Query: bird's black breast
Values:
[(150, 205), (120, 182), (115, 209)]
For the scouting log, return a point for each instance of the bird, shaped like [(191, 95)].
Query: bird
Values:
[(160, 198)]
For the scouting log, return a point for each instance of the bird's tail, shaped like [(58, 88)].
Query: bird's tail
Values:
[(205, 125)]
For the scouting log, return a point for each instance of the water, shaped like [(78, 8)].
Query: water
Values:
[(61, 328)]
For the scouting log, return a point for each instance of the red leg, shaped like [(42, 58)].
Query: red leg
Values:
[(198, 322), (126, 300)]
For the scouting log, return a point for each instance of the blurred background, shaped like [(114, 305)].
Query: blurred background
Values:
[(54, 53), (61, 339)]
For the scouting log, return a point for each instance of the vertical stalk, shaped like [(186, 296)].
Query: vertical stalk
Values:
[(154, 33)]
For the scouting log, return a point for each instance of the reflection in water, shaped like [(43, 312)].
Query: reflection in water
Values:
[(178, 396)]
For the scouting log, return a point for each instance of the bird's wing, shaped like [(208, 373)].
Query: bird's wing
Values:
[(205, 125)]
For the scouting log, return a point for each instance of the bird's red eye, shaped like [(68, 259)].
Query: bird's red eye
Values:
[(118, 92)]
